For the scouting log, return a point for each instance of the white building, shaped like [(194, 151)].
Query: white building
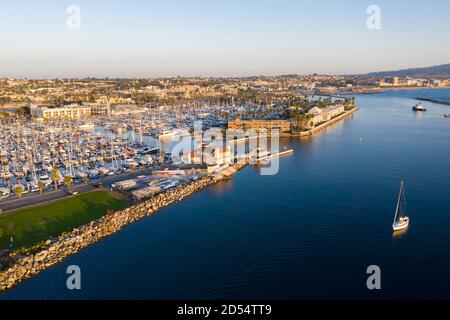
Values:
[(67, 112), (100, 109), (319, 115)]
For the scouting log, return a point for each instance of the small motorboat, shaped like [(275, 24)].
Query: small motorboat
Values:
[(419, 107)]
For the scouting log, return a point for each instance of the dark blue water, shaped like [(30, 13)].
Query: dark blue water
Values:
[(308, 232)]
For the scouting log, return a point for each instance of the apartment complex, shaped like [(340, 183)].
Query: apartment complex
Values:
[(86, 110), (68, 112), (283, 126), (100, 109), (319, 115)]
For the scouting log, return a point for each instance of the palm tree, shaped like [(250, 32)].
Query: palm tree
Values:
[(68, 181), (41, 186), (56, 175), (18, 190)]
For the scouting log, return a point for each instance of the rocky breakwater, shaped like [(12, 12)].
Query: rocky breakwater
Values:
[(25, 266)]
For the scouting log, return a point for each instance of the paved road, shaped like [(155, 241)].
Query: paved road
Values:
[(36, 198)]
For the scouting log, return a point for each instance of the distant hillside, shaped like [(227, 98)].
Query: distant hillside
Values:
[(435, 71)]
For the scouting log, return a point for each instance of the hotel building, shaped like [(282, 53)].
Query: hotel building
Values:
[(283, 126), (319, 115), (68, 112)]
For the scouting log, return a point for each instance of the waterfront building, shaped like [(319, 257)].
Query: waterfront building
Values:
[(319, 115), (67, 112), (390, 81), (284, 126), (100, 109), (209, 155)]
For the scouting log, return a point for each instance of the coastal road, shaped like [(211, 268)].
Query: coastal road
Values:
[(33, 199)]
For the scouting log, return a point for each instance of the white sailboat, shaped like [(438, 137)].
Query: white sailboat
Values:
[(401, 221)]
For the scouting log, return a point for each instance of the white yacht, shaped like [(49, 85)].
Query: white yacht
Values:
[(4, 192), (128, 163), (103, 171), (419, 107), (148, 150), (167, 133)]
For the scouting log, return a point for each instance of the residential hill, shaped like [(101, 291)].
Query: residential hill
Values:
[(435, 71)]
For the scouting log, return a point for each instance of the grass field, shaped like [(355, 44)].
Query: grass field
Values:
[(33, 225)]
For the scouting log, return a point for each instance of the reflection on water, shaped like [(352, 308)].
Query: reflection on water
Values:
[(223, 186), (397, 235)]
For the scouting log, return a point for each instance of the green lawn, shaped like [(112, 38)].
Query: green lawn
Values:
[(33, 225)]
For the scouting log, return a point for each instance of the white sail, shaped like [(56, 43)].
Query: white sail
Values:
[(401, 221)]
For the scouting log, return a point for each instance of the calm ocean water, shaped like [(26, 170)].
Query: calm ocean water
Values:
[(308, 232)]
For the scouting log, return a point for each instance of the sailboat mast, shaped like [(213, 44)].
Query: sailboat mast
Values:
[(398, 202)]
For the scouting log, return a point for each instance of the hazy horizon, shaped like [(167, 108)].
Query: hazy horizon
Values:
[(218, 76), (201, 38)]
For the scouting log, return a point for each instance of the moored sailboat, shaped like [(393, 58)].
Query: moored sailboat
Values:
[(401, 221)]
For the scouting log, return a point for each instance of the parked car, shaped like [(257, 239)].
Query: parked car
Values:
[(98, 185)]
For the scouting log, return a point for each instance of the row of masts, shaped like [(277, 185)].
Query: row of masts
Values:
[(29, 151)]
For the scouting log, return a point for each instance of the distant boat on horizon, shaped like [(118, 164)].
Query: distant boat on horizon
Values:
[(419, 107), (401, 221)]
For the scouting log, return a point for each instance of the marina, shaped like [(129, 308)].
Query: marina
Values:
[(198, 155), (40, 156), (36, 156), (310, 234)]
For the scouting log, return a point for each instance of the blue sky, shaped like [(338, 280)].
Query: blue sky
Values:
[(219, 38)]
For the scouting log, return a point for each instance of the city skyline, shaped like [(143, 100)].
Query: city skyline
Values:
[(218, 39)]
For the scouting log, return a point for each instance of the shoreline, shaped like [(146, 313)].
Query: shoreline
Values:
[(381, 90), (325, 125), (412, 88), (57, 250)]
